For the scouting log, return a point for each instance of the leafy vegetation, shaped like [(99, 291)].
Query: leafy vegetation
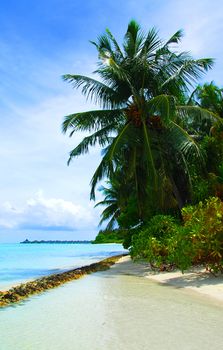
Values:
[(152, 242), (141, 125), (162, 155), (165, 243), (106, 236)]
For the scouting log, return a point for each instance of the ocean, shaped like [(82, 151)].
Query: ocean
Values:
[(21, 262)]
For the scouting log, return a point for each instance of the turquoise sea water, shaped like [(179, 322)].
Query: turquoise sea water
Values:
[(20, 262)]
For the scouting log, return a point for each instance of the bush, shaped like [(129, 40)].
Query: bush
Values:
[(204, 222), (151, 243), (108, 236), (202, 189), (199, 240)]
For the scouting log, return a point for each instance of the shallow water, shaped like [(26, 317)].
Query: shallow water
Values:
[(112, 312), (20, 262)]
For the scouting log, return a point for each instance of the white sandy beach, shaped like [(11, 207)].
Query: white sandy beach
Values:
[(118, 309), (194, 280)]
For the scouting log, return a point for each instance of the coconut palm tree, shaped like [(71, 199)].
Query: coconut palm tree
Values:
[(119, 200), (140, 89), (112, 210), (209, 96)]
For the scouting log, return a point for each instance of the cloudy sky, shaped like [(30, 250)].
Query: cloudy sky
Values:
[(40, 197)]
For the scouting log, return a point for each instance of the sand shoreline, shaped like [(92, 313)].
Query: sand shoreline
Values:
[(114, 309), (122, 307), (24, 290), (195, 280)]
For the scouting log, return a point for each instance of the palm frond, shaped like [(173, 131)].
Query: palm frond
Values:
[(133, 39), (184, 144), (104, 44), (198, 113), (175, 38), (92, 120), (105, 169), (151, 43), (112, 213), (163, 106), (105, 202), (186, 71), (101, 137), (150, 160), (209, 96), (116, 45), (95, 90), (118, 142)]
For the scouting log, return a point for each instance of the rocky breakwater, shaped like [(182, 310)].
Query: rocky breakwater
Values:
[(24, 290)]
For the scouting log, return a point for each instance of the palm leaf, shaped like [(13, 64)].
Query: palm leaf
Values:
[(187, 70), (164, 106), (184, 144), (95, 90), (175, 38), (198, 113), (151, 44), (106, 167), (101, 137), (117, 48), (92, 120), (112, 213), (105, 202), (150, 161), (133, 39)]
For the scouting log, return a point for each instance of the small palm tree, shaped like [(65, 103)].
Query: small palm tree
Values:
[(207, 97), (140, 125), (119, 199), (113, 203), (210, 96)]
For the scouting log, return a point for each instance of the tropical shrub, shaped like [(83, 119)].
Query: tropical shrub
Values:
[(202, 188), (212, 147), (199, 240), (151, 243), (204, 223), (108, 236)]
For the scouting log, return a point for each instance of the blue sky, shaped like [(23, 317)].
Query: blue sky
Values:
[(39, 41)]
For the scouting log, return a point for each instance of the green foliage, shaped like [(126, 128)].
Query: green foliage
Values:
[(129, 215), (201, 188), (199, 240), (109, 236), (220, 173), (141, 126), (129, 234), (213, 150), (210, 96), (207, 180), (151, 243), (212, 146), (205, 225)]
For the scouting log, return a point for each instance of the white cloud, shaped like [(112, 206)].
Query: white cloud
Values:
[(40, 212), (34, 151), (34, 100)]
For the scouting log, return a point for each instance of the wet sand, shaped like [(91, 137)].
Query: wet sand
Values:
[(116, 309)]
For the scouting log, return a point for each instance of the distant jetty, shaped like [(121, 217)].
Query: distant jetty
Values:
[(54, 242)]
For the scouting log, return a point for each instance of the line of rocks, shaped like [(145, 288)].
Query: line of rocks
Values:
[(24, 290)]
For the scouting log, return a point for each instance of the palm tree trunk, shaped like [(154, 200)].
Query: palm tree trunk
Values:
[(176, 193)]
